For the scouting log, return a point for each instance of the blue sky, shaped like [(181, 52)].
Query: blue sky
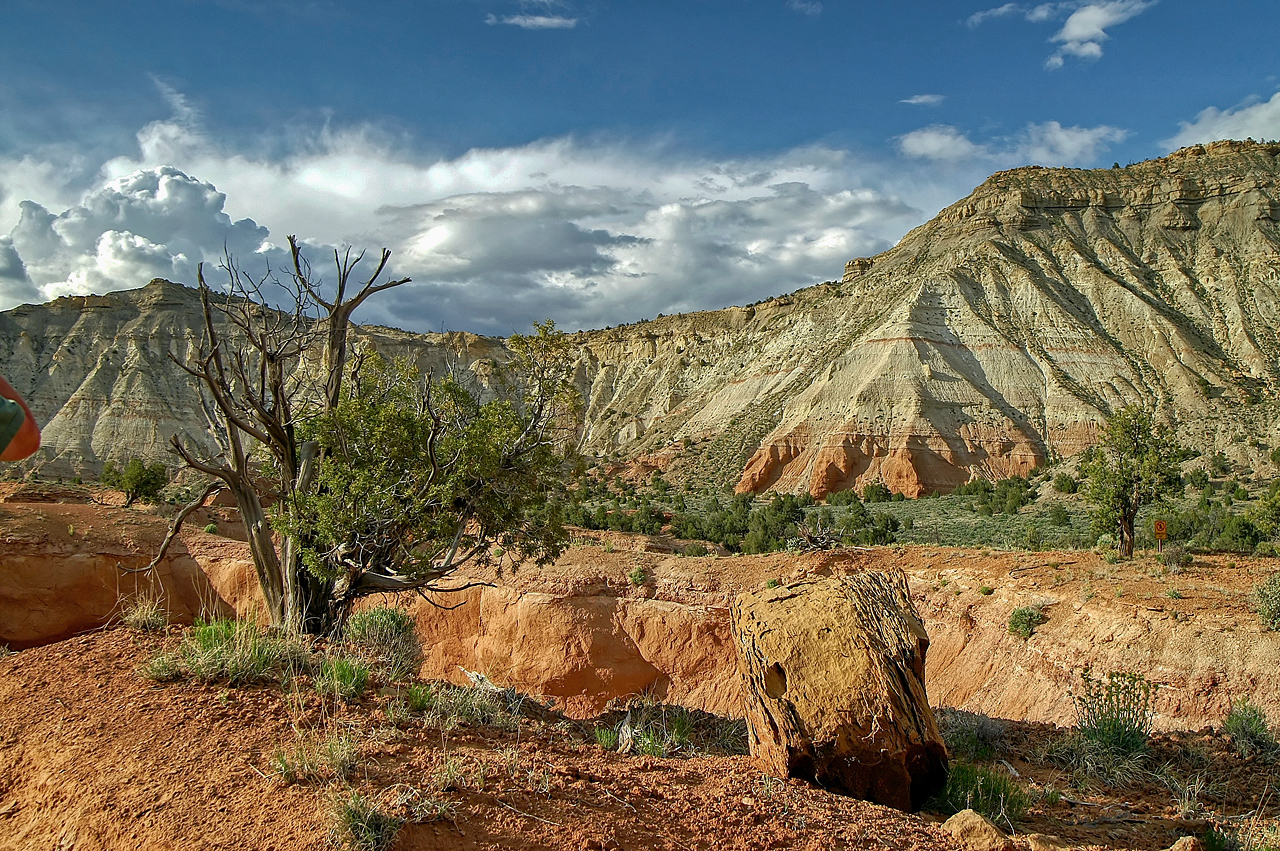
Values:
[(596, 162)]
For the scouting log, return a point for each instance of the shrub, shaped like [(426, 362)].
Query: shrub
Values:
[(695, 550), (986, 590), (1116, 712), (384, 637), (1024, 620), (1065, 483), (1266, 601), (876, 492), (1175, 557), (212, 528), (145, 614), (1219, 465), (342, 678), (139, 481), (1246, 724), (359, 825), (969, 735), (994, 794), (637, 576), (1198, 479), (1058, 515)]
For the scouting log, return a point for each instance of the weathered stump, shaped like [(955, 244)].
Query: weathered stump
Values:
[(833, 676)]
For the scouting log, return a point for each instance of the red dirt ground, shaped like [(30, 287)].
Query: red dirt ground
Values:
[(94, 756)]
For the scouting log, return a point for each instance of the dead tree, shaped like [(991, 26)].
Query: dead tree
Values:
[(255, 371)]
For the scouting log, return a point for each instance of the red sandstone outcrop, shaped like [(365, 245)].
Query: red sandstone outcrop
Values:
[(65, 569), (833, 675), (578, 631)]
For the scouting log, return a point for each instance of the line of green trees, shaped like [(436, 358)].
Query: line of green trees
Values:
[(743, 525)]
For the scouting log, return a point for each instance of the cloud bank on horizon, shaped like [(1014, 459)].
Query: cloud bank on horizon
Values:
[(588, 233), (591, 234)]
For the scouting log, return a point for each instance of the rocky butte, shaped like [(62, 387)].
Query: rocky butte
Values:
[(988, 340)]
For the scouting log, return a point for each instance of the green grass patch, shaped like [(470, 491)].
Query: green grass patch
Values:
[(342, 678), (386, 640), (231, 651), (994, 794)]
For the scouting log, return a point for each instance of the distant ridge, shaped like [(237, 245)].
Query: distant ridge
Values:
[(990, 339)]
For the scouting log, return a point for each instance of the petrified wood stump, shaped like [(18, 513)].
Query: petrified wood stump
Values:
[(833, 675)]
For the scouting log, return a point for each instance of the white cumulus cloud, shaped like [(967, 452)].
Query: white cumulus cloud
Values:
[(156, 222), (590, 233), (939, 142), (1252, 120), (1085, 29), (806, 7)]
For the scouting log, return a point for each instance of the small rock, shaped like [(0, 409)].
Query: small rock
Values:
[(1187, 843), (1044, 842), (975, 833)]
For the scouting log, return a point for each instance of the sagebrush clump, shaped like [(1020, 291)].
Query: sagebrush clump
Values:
[(1247, 726), (1024, 620), (1266, 601)]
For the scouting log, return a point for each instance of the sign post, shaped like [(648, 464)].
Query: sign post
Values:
[(1162, 532)]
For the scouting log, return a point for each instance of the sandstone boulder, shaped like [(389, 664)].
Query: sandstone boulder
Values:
[(974, 832), (833, 680), (1187, 843)]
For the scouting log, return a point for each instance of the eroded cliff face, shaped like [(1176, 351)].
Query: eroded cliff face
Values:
[(101, 373), (990, 339), (999, 334)]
